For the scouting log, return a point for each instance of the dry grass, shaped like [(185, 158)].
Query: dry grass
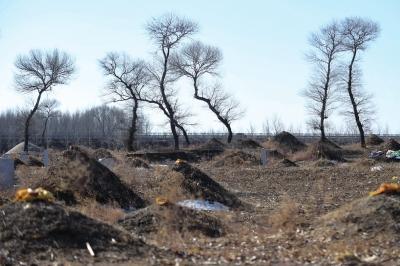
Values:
[(105, 213)]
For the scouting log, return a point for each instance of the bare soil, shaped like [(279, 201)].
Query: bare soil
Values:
[(318, 213)]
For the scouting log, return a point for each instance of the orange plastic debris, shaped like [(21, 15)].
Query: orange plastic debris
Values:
[(386, 188), (162, 201), (28, 194), (179, 161)]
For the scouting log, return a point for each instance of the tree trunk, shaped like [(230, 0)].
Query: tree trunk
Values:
[(184, 133), (353, 101), (224, 121), (133, 128), (28, 121), (174, 134), (230, 134)]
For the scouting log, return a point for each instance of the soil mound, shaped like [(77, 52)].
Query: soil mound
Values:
[(326, 149), (237, 158), (365, 217), (77, 175), (213, 144), (162, 156), (248, 144), (101, 153), (288, 142), (374, 140), (38, 229), (19, 148), (197, 184), (172, 217), (136, 163), (287, 163), (391, 144), (275, 154)]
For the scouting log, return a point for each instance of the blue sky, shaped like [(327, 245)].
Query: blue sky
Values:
[(263, 43)]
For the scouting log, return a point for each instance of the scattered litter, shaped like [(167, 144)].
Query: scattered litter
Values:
[(162, 201), (386, 188), (376, 154), (377, 168), (204, 205), (28, 194), (108, 162), (90, 249), (393, 154), (396, 178)]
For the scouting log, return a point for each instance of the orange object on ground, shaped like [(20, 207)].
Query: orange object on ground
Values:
[(162, 201), (386, 188), (28, 194), (179, 161)]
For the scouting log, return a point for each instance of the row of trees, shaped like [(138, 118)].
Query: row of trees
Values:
[(134, 81), (335, 55), (98, 126)]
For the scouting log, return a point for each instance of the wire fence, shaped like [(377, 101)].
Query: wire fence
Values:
[(165, 139)]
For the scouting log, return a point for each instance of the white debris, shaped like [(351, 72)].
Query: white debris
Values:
[(377, 168), (203, 205)]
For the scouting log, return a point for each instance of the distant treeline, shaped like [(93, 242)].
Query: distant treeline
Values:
[(101, 126)]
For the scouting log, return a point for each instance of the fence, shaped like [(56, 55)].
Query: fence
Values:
[(165, 139)]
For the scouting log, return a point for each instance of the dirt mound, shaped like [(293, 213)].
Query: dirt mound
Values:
[(19, 148), (101, 153), (365, 217), (136, 163), (195, 183), (247, 144), (374, 140), (236, 158), (39, 230), (275, 154), (287, 163), (325, 149), (288, 142), (213, 144), (172, 217), (391, 144), (162, 156), (77, 175)]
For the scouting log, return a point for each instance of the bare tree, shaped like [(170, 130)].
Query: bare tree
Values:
[(196, 61), (326, 45), (40, 72), (167, 32), (48, 110), (127, 79), (357, 34)]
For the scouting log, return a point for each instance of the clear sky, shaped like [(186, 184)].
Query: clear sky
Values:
[(263, 43)]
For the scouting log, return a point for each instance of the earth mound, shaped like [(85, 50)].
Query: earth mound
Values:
[(195, 183), (326, 149), (374, 140), (287, 163), (391, 144), (136, 163), (77, 175), (213, 144), (275, 154), (101, 153), (236, 158), (288, 142), (40, 230), (248, 144), (366, 217), (154, 218)]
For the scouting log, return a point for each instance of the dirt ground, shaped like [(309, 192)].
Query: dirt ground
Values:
[(312, 214)]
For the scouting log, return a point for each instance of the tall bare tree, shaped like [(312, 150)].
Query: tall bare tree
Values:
[(326, 45), (127, 79), (357, 34), (48, 110), (196, 61), (167, 32), (40, 71)]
